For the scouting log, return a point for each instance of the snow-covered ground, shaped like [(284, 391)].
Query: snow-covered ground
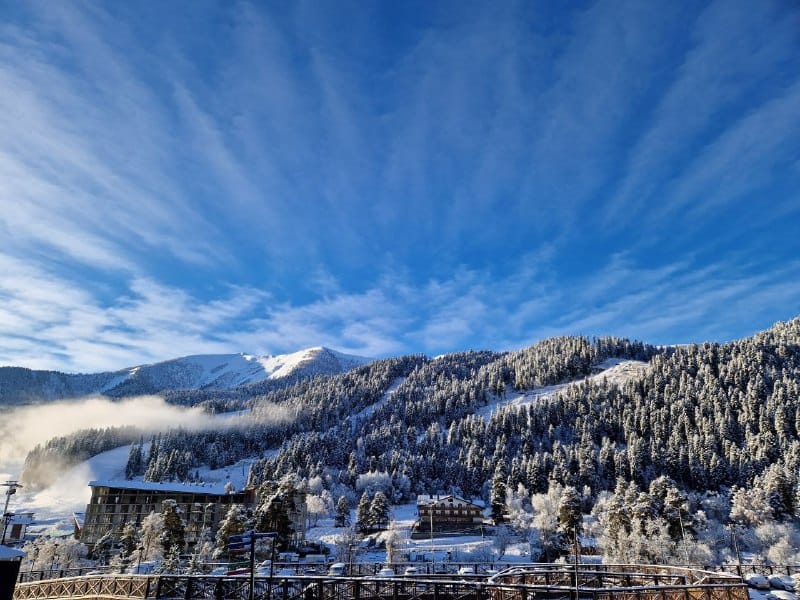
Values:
[(458, 548), (615, 370), (225, 371)]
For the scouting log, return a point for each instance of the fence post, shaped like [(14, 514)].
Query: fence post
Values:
[(188, 594), (158, 587)]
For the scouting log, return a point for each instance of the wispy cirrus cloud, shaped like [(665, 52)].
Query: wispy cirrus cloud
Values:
[(724, 126), (49, 322), (242, 177)]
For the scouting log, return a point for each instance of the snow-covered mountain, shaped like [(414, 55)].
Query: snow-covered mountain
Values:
[(201, 372)]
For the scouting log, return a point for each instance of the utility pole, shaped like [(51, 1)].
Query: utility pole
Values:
[(576, 549), (433, 552), (12, 489), (736, 547), (683, 537)]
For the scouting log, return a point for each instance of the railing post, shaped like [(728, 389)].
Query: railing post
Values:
[(188, 594), (158, 587)]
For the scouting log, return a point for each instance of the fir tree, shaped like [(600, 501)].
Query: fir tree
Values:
[(498, 496), (152, 530), (272, 513), (379, 511), (363, 513), (342, 518), (569, 512), (234, 523), (174, 532), (128, 541)]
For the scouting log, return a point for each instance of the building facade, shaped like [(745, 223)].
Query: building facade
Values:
[(447, 512), (116, 503)]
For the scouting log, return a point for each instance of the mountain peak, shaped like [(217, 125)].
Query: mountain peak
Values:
[(198, 371)]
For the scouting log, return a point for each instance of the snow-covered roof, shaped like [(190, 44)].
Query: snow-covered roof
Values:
[(7, 553), (163, 486), (423, 499), (25, 518)]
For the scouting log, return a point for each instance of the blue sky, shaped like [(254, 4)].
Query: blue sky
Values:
[(391, 177)]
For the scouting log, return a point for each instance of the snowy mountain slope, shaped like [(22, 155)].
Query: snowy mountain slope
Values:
[(227, 371), (613, 370), (70, 492), (373, 407), (200, 372)]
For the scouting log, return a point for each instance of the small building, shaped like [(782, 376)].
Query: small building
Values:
[(447, 512), (114, 504), (17, 526)]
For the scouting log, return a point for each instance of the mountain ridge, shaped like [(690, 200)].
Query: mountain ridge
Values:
[(213, 372)]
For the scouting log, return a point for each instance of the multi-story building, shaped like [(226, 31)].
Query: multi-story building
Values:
[(116, 503), (447, 512)]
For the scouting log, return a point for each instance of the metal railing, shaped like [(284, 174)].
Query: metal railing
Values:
[(177, 587), (362, 569)]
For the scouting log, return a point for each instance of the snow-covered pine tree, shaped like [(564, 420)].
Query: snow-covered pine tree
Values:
[(234, 523), (342, 518), (363, 514), (174, 532), (498, 494), (569, 514), (379, 511), (152, 531)]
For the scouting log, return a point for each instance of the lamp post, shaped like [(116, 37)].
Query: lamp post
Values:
[(732, 526), (33, 560), (433, 552), (54, 558), (12, 489)]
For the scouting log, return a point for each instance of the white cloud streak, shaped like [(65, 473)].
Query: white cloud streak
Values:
[(151, 206), (51, 324)]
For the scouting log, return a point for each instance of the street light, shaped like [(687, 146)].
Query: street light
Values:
[(12, 489), (731, 525)]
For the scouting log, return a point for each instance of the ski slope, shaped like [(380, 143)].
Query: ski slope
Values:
[(613, 370)]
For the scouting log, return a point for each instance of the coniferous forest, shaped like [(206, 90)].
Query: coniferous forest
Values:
[(702, 438)]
